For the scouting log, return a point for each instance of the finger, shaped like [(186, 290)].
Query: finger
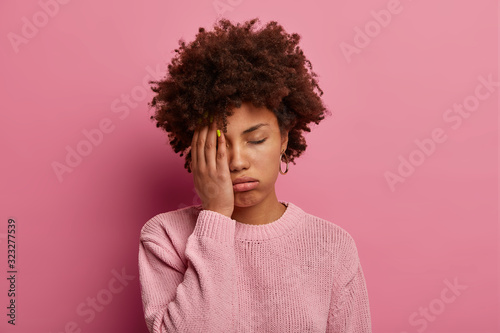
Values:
[(200, 147), (221, 162), (210, 146)]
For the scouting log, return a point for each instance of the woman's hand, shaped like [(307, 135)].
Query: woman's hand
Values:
[(212, 179)]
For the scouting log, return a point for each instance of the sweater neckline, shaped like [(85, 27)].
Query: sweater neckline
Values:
[(288, 221)]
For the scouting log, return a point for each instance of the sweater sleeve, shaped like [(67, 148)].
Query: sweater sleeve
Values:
[(201, 299), (350, 308)]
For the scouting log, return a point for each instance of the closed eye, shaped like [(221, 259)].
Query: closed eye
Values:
[(257, 142)]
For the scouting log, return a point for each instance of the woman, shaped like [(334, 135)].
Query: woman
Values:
[(237, 101)]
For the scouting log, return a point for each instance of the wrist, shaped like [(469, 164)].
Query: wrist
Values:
[(220, 211)]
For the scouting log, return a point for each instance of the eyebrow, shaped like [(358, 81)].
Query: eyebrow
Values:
[(253, 128)]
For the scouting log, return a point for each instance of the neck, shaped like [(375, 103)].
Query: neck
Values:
[(264, 212)]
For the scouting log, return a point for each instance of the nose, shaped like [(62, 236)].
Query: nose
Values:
[(237, 158)]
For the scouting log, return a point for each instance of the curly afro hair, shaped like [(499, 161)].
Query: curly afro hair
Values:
[(231, 65)]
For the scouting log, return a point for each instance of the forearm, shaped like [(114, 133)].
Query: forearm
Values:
[(205, 299)]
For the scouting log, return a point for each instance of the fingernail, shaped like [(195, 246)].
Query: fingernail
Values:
[(218, 133), (211, 118), (199, 121), (205, 114)]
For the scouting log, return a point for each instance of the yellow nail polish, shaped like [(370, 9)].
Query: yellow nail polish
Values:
[(205, 114), (211, 118), (218, 133)]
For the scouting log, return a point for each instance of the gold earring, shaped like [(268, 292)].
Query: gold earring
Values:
[(286, 158)]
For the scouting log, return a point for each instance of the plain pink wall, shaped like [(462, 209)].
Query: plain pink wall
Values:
[(394, 75)]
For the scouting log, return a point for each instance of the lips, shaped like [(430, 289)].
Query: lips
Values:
[(244, 184), (243, 180)]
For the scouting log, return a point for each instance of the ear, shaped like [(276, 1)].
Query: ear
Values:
[(284, 141)]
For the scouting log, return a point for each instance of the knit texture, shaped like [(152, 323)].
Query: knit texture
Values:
[(201, 271)]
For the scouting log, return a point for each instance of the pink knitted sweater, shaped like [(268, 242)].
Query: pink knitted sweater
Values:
[(201, 271)]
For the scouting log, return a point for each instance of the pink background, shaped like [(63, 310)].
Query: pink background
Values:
[(83, 67)]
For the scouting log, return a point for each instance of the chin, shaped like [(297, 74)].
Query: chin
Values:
[(245, 199)]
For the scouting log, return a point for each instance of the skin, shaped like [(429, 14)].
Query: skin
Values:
[(217, 162)]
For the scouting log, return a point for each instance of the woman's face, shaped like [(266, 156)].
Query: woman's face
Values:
[(254, 145)]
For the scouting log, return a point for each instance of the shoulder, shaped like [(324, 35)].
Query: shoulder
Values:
[(332, 237), (175, 223)]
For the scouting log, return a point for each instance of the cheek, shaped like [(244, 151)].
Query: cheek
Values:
[(266, 162)]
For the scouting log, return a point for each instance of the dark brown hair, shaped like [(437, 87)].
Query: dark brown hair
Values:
[(230, 65)]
